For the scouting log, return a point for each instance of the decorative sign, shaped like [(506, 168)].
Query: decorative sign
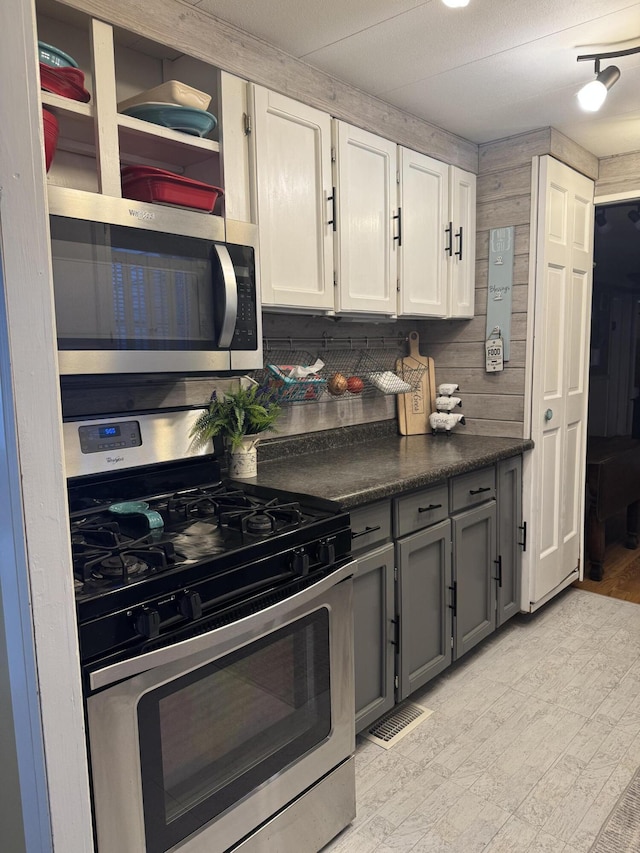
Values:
[(500, 285), (494, 352)]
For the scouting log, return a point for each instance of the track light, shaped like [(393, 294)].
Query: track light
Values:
[(455, 4), (593, 95)]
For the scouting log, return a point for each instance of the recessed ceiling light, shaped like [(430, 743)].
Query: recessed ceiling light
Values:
[(455, 4)]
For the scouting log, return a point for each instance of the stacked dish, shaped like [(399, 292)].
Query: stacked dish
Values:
[(174, 105), (55, 57), (147, 183), (67, 81)]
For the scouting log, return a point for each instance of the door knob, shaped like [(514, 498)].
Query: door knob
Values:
[(548, 414)]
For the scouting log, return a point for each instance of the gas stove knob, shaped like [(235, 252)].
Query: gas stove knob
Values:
[(190, 605), (147, 622), (326, 552), (300, 561)]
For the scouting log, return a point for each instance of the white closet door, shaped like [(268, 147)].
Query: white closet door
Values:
[(293, 183), (555, 469), (366, 269)]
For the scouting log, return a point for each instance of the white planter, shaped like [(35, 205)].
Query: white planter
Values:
[(243, 461)]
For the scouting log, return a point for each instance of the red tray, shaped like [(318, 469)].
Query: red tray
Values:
[(68, 82), (146, 183)]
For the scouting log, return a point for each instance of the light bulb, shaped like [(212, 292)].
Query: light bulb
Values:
[(455, 4), (592, 96)]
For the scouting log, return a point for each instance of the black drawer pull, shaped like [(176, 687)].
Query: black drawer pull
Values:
[(429, 508), (481, 489), (365, 531)]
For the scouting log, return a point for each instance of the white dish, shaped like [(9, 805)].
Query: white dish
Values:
[(389, 383), (171, 92)]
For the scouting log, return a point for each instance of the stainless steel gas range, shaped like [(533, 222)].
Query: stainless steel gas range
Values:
[(216, 636)]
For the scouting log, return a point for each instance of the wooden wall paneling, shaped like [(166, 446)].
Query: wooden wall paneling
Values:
[(520, 270), (574, 155), (504, 154), (470, 354), (498, 407), (498, 185), (459, 331), (499, 213), (619, 174), (195, 32), (505, 429), (477, 381)]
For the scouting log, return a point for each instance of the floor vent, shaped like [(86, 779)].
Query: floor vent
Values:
[(391, 728)]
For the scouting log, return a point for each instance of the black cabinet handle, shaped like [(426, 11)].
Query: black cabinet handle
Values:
[(429, 508), (459, 237), (454, 597), (396, 632), (333, 198), (498, 563), (449, 247), (480, 490), (398, 216), (523, 527), (365, 531)]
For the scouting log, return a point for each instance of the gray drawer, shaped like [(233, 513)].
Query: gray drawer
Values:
[(474, 488), (370, 525), (420, 509)]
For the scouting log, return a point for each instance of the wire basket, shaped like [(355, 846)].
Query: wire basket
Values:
[(345, 374)]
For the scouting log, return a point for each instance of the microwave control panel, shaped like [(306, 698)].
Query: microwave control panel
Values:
[(246, 332)]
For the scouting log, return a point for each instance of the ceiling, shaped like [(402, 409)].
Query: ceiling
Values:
[(490, 70)]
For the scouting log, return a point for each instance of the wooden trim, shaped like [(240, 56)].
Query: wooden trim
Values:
[(503, 154), (195, 32), (40, 615)]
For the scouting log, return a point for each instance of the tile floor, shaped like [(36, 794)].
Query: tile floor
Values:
[(532, 739)]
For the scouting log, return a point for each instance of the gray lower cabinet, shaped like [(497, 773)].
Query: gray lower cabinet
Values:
[(510, 539), (374, 634), (474, 561), (424, 611)]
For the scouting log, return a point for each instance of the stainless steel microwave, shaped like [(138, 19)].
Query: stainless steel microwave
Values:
[(144, 288)]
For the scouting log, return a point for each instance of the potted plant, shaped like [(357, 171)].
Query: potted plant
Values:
[(239, 417)]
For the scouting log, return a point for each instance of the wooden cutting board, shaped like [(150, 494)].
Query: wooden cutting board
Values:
[(415, 407)]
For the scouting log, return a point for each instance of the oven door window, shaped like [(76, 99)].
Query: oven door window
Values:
[(209, 738), (119, 288)]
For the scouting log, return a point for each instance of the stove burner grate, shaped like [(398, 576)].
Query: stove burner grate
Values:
[(100, 552), (264, 520)]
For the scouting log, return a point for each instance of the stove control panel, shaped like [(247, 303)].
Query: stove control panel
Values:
[(97, 438)]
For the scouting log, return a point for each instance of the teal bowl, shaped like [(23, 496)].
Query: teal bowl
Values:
[(54, 56), (186, 119)]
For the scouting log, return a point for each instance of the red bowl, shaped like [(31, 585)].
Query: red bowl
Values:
[(50, 123)]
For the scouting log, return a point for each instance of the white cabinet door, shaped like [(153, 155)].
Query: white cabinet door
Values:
[(292, 151), (424, 216), (366, 257), (462, 257)]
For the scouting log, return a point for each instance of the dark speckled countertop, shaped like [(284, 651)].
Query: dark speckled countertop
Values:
[(355, 467)]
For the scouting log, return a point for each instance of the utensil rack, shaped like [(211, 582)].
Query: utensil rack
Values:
[(371, 359)]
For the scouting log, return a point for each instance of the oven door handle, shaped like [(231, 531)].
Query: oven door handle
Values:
[(228, 325), (224, 639)]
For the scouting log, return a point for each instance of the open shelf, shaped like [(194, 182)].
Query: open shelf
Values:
[(141, 139)]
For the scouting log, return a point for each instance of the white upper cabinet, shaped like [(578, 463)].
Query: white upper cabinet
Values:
[(424, 216), (365, 249), (294, 201), (437, 251), (96, 140), (462, 260)]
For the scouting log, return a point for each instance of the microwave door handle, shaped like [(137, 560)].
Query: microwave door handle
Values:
[(228, 326)]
